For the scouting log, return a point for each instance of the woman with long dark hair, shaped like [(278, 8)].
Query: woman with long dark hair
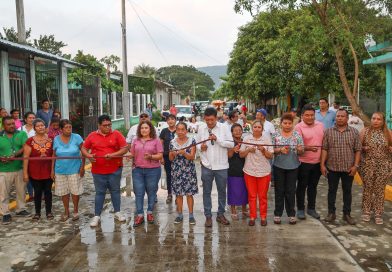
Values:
[(146, 152), (375, 167)]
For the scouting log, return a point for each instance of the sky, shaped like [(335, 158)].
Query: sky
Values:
[(186, 32)]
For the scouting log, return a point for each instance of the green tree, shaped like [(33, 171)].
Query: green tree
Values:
[(49, 44), (10, 34), (346, 26), (144, 70), (111, 63), (92, 66), (184, 78)]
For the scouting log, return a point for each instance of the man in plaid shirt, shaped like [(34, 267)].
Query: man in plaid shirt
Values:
[(340, 158)]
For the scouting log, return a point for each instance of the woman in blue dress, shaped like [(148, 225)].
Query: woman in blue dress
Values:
[(184, 179)]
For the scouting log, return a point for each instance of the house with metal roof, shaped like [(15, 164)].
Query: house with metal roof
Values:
[(29, 75)]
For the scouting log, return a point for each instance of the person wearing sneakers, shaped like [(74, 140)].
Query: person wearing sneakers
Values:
[(257, 171), (288, 145), (68, 174), (214, 163), (106, 172), (146, 151), (167, 134), (340, 158), (184, 179), (11, 145), (312, 133)]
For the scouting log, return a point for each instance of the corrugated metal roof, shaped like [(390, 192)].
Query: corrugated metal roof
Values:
[(36, 52)]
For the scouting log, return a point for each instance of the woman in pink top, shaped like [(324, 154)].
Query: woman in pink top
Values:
[(146, 152), (309, 173)]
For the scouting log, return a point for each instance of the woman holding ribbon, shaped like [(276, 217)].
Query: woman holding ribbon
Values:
[(68, 173), (237, 194), (39, 171), (288, 145), (146, 152), (257, 151), (184, 179)]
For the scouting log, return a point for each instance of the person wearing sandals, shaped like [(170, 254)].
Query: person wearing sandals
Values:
[(257, 171), (289, 145), (146, 151), (68, 173), (39, 171), (237, 195), (167, 134), (184, 179), (375, 168)]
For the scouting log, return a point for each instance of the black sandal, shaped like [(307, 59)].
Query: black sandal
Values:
[(36, 217), (49, 216)]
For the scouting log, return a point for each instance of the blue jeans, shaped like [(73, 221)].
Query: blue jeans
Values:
[(145, 180), (103, 182), (207, 177)]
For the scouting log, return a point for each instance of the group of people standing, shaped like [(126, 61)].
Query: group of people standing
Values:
[(241, 166), (41, 136)]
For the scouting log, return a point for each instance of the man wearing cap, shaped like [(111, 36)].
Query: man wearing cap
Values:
[(268, 127)]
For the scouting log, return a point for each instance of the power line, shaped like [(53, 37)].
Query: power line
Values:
[(178, 36), (149, 34)]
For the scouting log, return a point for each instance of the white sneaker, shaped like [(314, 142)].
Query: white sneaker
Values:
[(119, 217), (95, 221)]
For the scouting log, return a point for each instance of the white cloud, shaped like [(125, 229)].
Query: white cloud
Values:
[(94, 27)]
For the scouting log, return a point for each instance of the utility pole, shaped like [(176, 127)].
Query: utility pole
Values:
[(125, 97), (20, 21)]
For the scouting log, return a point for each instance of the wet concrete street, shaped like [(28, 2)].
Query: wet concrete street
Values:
[(164, 246)]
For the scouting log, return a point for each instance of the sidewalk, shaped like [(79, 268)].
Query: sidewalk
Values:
[(368, 243)]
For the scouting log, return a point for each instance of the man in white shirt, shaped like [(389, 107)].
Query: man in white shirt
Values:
[(214, 163), (268, 127), (233, 119), (335, 106)]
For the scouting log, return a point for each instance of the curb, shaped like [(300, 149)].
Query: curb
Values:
[(388, 188)]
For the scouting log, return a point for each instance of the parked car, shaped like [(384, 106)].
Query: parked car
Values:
[(184, 111)]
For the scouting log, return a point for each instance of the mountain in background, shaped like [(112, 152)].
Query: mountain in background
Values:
[(215, 72)]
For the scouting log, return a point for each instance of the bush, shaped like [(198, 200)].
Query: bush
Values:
[(156, 117), (123, 130)]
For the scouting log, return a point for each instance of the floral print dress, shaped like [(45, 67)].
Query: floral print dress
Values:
[(184, 179)]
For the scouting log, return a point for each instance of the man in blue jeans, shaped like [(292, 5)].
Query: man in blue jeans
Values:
[(214, 163), (107, 143)]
